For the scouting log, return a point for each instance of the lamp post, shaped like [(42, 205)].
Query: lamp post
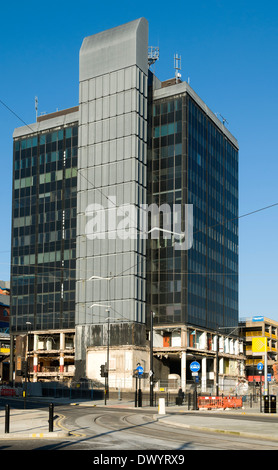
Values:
[(151, 360), (217, 352), (181, 238), (106, 392), (26, 364), (106, 396)]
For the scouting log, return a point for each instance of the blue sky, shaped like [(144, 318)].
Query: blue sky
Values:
[(228, 49)]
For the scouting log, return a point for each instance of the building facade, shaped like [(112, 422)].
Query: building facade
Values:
[(83, 261), (111, 178), (260, 327), (193, 160), (44, 234)]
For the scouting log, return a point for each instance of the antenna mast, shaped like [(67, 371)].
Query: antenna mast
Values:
[(36, 107), (224, 120), (153, 55), (177, 67)]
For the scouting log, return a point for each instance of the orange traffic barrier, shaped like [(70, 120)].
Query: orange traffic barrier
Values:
[(210, 403), (232, 402)]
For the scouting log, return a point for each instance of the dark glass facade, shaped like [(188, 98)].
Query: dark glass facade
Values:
[(44, 230), (191, 161)]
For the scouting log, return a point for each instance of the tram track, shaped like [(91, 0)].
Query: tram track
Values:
[(154, 431)]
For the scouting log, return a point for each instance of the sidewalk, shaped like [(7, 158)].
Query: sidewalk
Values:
[(264, 427), (32, 424), (26, 424)]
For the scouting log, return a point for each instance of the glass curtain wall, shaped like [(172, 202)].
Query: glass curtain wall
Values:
[(44, 230), (192, 162)]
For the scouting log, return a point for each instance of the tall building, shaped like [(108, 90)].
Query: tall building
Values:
[(111, 177), (194, 161), (44, 235), (93, 187)]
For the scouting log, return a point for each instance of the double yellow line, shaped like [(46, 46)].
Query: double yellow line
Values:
[(60, 425)]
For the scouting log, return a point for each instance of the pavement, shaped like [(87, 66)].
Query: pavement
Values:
[(33, 423)]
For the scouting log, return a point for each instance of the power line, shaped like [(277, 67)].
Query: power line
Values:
[(13, 112), (220, 223), (110, 200)]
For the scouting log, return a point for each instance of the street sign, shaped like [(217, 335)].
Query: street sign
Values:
[(260, 366), (194, 374), (269, 377), (140, 370), (195, 366), (259, 345)]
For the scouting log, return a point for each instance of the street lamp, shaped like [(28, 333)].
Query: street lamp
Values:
[(26, 363), (151, 360), (106, 392), (100, 278), (217, 352), (181, 236)]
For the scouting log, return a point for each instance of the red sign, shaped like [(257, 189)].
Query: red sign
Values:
[(255, 378)]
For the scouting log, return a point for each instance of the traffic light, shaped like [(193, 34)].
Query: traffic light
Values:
[(24, 368), (103, 371)]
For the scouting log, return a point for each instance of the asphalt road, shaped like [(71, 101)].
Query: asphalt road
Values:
[(102, 430)]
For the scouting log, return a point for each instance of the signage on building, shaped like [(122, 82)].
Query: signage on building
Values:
[(258, 319)]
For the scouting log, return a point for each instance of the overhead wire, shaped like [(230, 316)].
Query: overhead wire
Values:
[(111, 201)]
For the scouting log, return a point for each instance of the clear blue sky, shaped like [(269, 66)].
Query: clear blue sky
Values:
[(228, 49)]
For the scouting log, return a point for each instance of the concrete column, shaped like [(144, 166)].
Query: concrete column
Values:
[(204, 374), (221, 365), (62, 341), (183, 371), (35, 368), (61, 362), (221, 373), (36, 339), (35, 363)]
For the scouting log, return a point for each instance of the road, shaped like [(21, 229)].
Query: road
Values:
[(104, 429)]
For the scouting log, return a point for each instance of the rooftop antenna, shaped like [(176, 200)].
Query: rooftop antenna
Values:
[(224, 120), (36, 107), (153, 55), (177, 67)]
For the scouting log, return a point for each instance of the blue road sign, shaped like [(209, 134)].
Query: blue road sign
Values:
[(260, 366), (195, 366), (140, 370)]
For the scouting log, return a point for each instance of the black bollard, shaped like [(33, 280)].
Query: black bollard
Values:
[(189, 400), (50, 421), (7, 419), (139, 398)]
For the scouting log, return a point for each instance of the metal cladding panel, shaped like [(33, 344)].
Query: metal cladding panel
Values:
[(115, 49), (112, 152)]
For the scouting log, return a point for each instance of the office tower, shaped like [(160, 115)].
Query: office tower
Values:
[(111, 176), (142, 145), (44, 231), (194, 161)]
